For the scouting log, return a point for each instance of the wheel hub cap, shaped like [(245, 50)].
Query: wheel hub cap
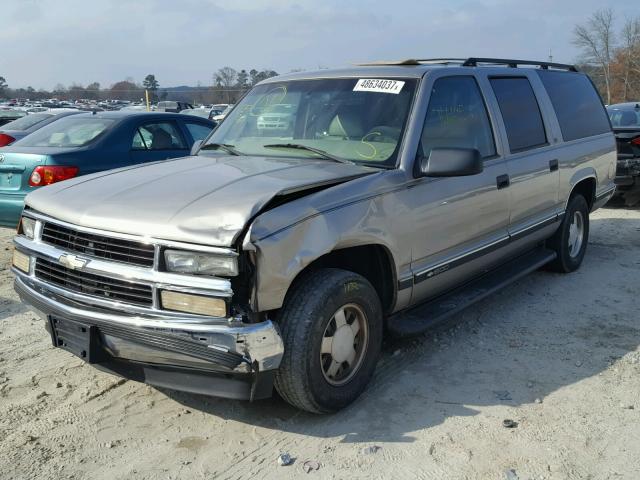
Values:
[(576, 234), (344, 344)]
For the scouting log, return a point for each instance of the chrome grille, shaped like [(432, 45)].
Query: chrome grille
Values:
[(116, 249), (94, 285)]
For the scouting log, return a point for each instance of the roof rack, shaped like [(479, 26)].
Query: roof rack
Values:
[(476, 61), (412, 61), (473, 62)]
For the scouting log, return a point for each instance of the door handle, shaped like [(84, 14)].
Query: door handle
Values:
[(502, 181), (553, 165)]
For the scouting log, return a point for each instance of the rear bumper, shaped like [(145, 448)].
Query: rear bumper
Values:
[(627, 173), (625, 180), (223, 359), (10, 209)]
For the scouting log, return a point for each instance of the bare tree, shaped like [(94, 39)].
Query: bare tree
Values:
[(224, 79), (596, 39), (630, 49)]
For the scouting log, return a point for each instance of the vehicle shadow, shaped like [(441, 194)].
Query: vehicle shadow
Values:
[(630, 202), (523, 344), (530, 341)]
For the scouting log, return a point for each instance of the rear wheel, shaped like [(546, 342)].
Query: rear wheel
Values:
[(331, 326), (570, 240)]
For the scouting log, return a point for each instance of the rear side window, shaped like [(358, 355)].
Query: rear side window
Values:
[(577, 104), (158, 136), (520, 112), (457, 117)]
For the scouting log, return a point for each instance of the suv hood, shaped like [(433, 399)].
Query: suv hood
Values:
[(201, 199)]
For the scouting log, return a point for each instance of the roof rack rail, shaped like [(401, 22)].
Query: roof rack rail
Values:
[(476, 61), (411, 61)]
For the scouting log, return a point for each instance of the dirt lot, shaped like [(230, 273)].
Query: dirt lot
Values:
[(557, 354)]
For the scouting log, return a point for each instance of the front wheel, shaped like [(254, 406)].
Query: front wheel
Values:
[(331, 326), (570, 240)]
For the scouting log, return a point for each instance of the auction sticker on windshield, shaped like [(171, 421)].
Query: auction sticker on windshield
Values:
[(378, 85)]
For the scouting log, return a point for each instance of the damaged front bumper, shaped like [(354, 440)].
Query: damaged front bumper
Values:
[(218, 357)]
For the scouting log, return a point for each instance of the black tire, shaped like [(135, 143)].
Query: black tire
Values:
[(306, 313), (567, 261)]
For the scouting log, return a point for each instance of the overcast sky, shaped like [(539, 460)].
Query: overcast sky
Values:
[(45, 42)]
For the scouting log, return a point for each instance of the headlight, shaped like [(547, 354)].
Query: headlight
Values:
[(28, 227), (198, 263)]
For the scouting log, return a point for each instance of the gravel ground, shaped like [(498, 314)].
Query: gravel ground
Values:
[(557, 354)]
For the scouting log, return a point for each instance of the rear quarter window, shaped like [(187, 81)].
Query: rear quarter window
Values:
[(577, 105), (520, 112)]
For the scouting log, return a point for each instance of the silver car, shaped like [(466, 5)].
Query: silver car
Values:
[(397, 195)]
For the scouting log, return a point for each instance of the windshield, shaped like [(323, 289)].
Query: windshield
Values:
[(624, 117), (27, 122), (360, 120), (72, 131)]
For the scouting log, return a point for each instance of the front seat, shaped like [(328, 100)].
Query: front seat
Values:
[(161, 140), (345, 126)]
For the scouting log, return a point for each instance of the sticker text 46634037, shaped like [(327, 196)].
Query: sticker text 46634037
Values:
[(379, 85)]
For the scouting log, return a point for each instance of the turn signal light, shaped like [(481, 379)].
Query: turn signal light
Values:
[(6, 139), (198, 304), (21, 261), (636, 141), (46, 175)]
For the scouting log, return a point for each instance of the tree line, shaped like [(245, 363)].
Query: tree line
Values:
[(228, 85), (610, 56)]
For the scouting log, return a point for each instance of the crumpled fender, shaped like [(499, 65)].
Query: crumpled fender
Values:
[(289, 238)]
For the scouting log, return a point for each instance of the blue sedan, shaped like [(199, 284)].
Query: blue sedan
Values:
[(88, 143)]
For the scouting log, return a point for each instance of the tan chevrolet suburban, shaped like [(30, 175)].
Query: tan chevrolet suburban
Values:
[(280, 253)]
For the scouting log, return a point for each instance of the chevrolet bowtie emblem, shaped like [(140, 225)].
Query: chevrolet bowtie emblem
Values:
[(72, 262)]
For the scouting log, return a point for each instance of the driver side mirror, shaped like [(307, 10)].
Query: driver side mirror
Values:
[(195, 147), (450, 162)]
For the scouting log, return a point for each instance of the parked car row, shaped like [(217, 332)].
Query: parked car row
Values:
[(53, 146), (625, 120), (326, 212)]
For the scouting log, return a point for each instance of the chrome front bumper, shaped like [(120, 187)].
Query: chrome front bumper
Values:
[(158, 346), (200, 345)]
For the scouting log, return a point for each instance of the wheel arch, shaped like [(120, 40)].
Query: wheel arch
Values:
[(278, 271), (586, 186), (373, 261)]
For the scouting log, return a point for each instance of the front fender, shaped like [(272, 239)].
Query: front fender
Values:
[(280, 257)]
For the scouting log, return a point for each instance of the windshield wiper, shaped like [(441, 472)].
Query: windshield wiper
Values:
[(317, 151), (221, 146)]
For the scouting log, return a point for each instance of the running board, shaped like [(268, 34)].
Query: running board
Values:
[(421, 318)]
